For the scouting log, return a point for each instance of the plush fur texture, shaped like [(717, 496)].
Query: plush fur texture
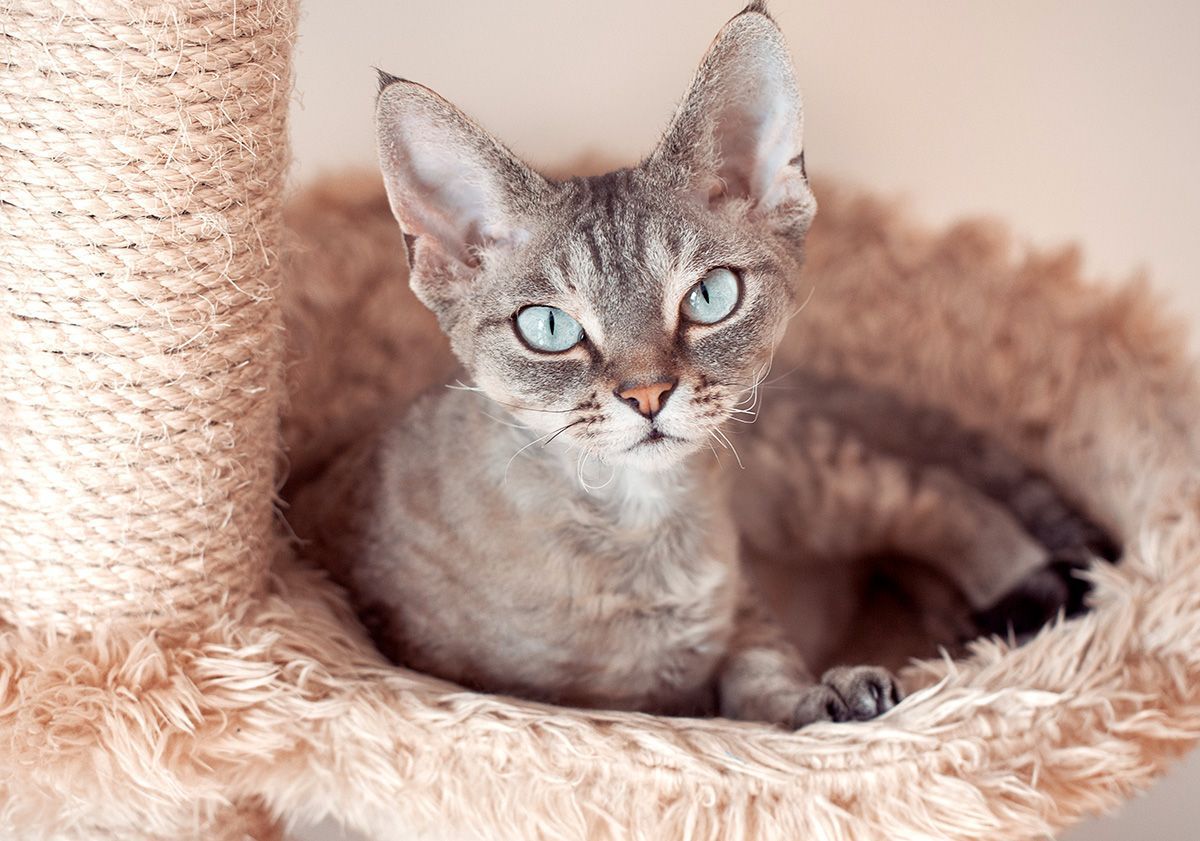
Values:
[(139, 735)]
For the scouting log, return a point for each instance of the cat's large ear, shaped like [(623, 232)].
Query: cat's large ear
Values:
[(451, 186), (738, 134)]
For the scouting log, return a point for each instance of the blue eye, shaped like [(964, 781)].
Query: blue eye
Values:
[(548, 329), (713, 298)]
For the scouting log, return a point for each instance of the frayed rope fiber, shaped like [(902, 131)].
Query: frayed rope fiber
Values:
[(142, 153)]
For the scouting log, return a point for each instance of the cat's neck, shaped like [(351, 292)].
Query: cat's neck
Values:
[(637, 495)]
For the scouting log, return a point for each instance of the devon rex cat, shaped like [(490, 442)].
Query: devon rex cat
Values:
[(559, 528)]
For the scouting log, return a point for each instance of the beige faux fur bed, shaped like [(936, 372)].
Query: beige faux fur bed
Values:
[(282, 701), (159, 680)]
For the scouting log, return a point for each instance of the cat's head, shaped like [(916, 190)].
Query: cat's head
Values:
[(633, 311)]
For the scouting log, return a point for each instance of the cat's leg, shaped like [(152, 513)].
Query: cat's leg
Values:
[(763, 678), (964, 535), (1010, 580), (881, 459), (848, 499)]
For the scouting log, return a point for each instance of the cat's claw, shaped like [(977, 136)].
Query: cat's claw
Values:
[(848, 693)]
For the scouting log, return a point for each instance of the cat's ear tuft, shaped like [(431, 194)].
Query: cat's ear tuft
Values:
[(385, 78), (738, 134), (759, 6), (451, 186)]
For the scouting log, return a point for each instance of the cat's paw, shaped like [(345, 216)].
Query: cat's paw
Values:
[(1038, 599), (848, 693), (1078, 541)]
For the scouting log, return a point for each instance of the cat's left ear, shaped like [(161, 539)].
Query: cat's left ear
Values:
[(738, 135)]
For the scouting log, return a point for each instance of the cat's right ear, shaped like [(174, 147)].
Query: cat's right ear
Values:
[(452, 187)]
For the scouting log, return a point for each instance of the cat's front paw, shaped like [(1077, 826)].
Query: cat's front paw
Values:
[(1038, 599), (848, 693)]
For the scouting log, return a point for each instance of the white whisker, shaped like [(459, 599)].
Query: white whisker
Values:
[(714, 452), (729, 445), (752, 395), (537, 440), (581, 467), (459, 385), (811, 291), (583, 454), (782, 376), (501, 421)]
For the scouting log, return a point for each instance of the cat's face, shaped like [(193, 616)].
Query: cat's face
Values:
[(664, 317), (630, 314)]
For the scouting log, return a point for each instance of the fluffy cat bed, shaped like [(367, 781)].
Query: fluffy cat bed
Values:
[(167, 671)]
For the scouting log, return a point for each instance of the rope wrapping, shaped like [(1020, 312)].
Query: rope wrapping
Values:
[(142, 156)]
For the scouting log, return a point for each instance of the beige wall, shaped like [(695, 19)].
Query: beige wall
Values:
[(1074, 120)]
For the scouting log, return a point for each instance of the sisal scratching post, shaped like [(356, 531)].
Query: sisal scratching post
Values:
[(142, 151)]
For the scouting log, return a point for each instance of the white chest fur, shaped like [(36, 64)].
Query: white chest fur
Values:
[(648, 593)]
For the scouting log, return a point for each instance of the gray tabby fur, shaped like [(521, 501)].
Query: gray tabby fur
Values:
[(520, 533)]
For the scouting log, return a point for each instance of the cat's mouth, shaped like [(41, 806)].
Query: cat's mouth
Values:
[(653, 437)]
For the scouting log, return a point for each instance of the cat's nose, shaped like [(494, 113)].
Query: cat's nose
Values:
[(647, 399)]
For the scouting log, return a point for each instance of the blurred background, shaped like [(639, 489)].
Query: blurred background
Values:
[(1073, 121)]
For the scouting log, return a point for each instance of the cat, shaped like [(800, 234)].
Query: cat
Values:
[(559, 524)]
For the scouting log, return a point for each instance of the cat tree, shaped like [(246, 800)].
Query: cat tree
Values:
[(167, 672)]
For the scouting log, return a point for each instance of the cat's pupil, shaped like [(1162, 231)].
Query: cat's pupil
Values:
[(551, 314), (704, 291)]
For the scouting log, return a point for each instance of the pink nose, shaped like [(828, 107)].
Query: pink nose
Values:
[(647, 399)]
